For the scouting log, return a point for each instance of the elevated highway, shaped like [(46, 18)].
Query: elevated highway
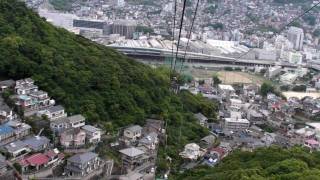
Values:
[(160, 56)]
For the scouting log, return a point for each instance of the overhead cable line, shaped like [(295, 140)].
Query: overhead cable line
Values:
[(173, 33), (181, 25), (190, 32)]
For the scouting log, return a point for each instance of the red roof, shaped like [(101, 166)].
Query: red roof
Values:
[(218, 150), (35, 160)]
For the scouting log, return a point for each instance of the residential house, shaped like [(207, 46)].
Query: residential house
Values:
[(25, 86), (54, 112), (20, 129), (58, 125), (132, 158), (250, 90), (132, 133), (234, 124), (6, 172), (13, 130), (39, 161), (6, 113), (27, 103), (17, 148), (73, 137), (305, 133), (312, 144), (6, 133), (7, 84), (202, 120), (255, 116), (37, 143), (219, 152), (42, 99), (225, 89), (3, 165), (149, 141), (192, 151), (154, 125), (83, 164), (76, 121), (93, 134)]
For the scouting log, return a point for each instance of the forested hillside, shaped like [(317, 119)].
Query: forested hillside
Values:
[(93, 80), (273, 163)]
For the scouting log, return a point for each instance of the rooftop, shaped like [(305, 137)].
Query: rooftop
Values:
[(76, 118), (226, 87), (83, 158), (5, 129), (55, 108), (35, 160), (134, 128), (90, 128), (36, 142), (131, 152), (236, 120), (14, 146)]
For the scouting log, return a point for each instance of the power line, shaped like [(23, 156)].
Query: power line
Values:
[(283, 28), (181, 24), (185, 51), (173, 34)]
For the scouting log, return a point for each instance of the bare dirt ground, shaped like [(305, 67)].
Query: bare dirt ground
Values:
[(300, 95), (229, 77)]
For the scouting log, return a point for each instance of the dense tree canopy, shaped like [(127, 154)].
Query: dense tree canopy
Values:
[(100, 83), (263, 164)]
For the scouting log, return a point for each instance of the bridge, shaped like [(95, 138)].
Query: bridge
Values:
[(160, 56)]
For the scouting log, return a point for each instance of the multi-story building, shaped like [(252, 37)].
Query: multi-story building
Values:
[(73, 137), (296, 36), (25, 86), (54, 112), (124, 28), (93, 134), (235, 124), (132, 133), (83, 164), (76, 121)]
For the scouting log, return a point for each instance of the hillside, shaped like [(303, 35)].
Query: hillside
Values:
[(273, 163), (106, 87)]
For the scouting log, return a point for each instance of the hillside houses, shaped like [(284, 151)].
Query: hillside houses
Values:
[(38, 153)]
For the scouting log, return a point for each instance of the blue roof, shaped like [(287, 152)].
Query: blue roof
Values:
[(5, 129)]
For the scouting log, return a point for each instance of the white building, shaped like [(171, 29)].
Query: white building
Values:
[(93, 134), (236, 103), (132, 133), (296, 36), (120, 3), (295, 57), (273, 71), (191, 151), (63, 20), (76, 121), (226, 89), (288, 78), (234, 124)]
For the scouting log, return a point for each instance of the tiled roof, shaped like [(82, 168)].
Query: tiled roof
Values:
[(5, 129), (35, 160), (83, 158), (132, 152)]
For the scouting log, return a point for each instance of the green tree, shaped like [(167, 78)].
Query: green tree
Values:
[(216, 80), (266, 88)]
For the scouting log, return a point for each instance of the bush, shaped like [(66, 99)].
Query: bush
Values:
[(228, 69)]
